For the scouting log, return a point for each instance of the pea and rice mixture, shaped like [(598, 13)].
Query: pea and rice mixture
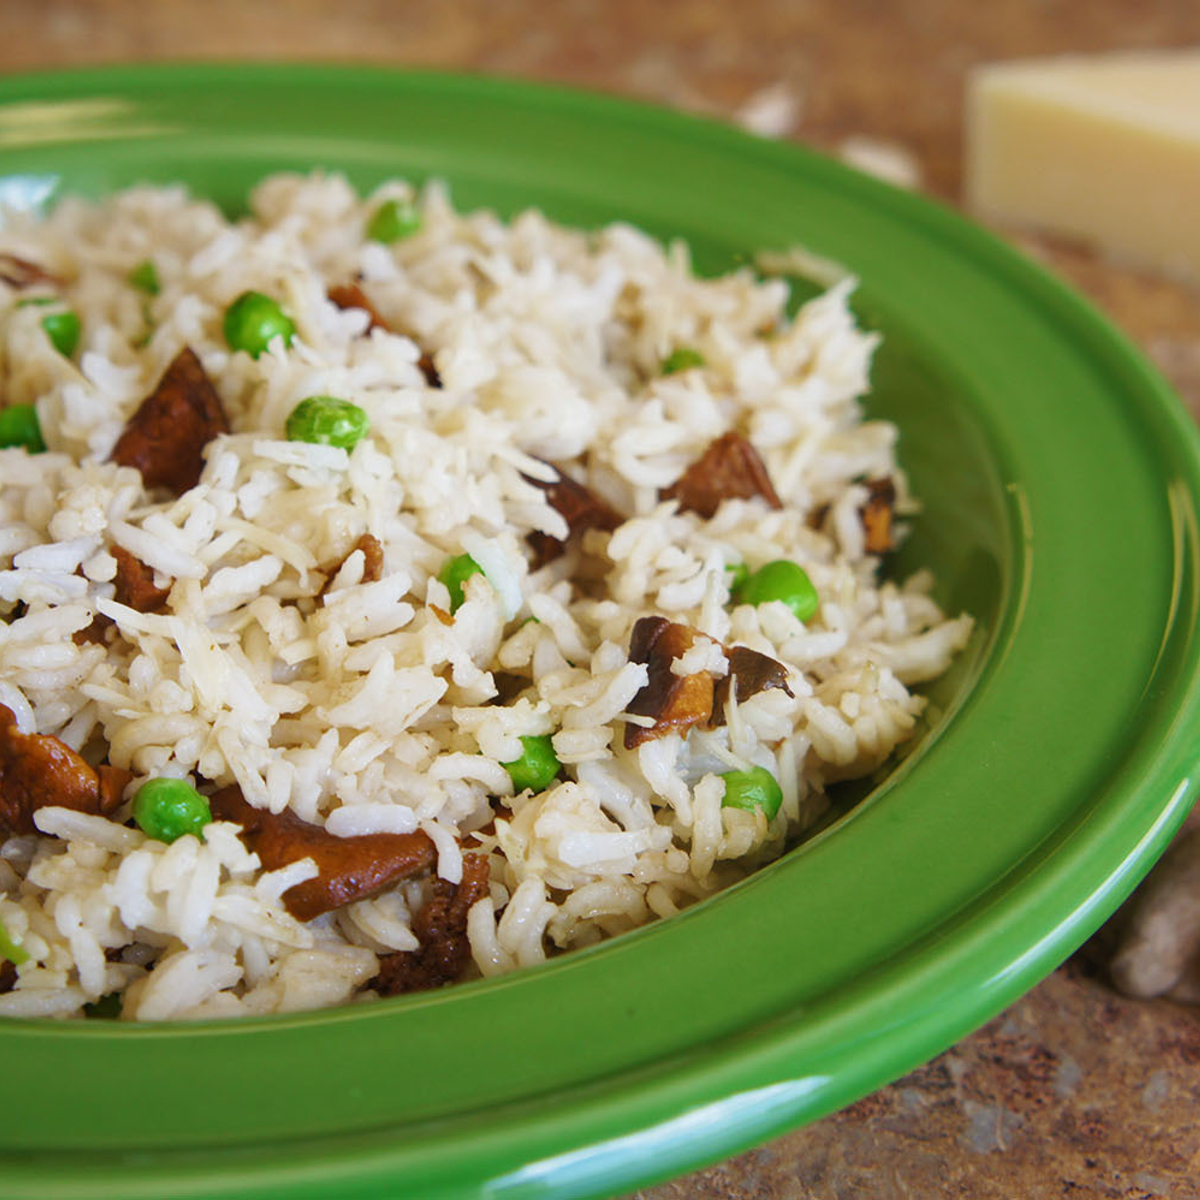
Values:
[(471, 582)]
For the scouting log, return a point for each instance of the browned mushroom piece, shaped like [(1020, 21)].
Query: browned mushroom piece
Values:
[(876, 515), (113, 782), (133, 587), (20, 272), (165, 438), (8, 976), (508, 686), (749, 673), (441, 928), (372, 562), (578, 505), (349, 868), (372, 550), (37, 771), (350, 295), (500, 812), (93, 634), (816, 516), (730, 469), (675, 702), (429, 369), (134, 583)]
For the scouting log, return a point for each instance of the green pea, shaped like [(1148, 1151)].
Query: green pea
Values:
[(738, 574), (253, 321), (11, 950), (166, 809), (107, 1008), (454, 573), (144, 277), (143, 339), (780, 580), (756, 788), (393, 220), (19, 426), (329, 421), (62, 328), (538, 765), (682, 359)]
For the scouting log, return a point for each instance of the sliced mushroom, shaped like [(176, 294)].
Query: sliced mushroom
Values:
[(37, 771), (730, 469), (350, 295), (20, 272), (133, 587), (578, 505), (675, 702), (876, 515), (508, 687), (93, 634), (816, 516), (349, 869), (441, 928), (166, 437), (135, 583), (113, 782), (749, 673), (429, 369), (372, 552)]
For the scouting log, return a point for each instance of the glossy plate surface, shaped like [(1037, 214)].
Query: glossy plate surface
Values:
[(1060, 482)]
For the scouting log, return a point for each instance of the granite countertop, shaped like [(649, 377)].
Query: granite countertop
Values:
[(1074, 1090)]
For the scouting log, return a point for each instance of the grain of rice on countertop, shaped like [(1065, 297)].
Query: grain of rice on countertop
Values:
[(401, 672)]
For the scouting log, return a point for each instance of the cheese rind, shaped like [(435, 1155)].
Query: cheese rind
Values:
[(1106, 149)]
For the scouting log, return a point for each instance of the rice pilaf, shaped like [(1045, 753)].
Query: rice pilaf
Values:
[(511, 669)]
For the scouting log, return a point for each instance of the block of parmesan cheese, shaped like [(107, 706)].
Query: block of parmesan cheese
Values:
[(1104, 148)]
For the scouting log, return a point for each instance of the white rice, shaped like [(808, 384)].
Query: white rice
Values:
[(362, 710)]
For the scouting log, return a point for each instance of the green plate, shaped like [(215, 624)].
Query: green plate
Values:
[(1060, 481)]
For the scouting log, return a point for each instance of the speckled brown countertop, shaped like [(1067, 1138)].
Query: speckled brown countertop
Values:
[(1074, 1091)]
